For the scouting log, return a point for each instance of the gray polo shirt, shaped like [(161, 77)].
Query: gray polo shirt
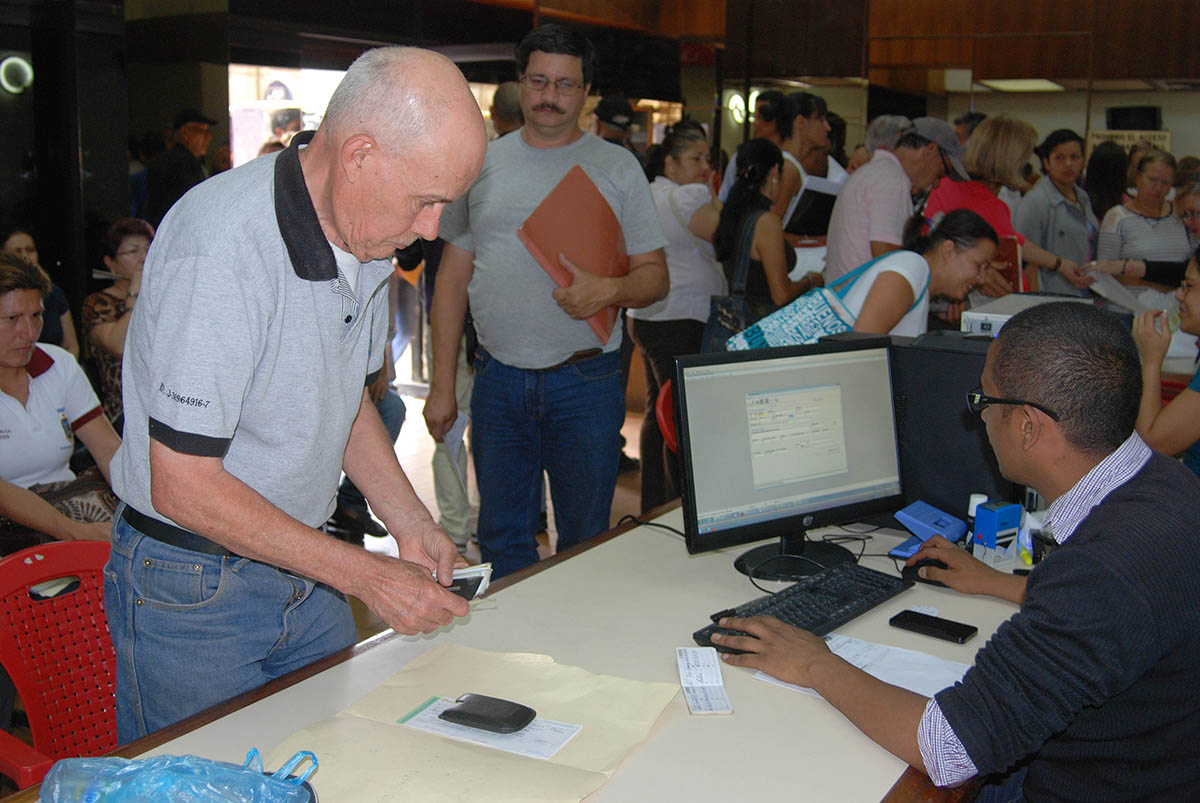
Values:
[(247, 342), (512, 302)]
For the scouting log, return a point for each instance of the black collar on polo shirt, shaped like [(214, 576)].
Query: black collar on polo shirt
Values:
[(39, 363), (309, 250)]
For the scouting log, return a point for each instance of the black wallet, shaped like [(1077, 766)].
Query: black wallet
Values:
[(489, 713)]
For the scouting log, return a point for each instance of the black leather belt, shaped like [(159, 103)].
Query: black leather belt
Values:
[(578, 356), (175, 536)]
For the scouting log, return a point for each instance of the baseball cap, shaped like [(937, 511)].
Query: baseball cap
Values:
[(615, 110), (941, 134), (191, 116)]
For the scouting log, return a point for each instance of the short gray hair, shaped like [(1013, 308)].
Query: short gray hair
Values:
[(506, 103), (884, 132), (376, 97)]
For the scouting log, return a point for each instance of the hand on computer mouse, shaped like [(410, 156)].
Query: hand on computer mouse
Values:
[(914, 571), (962, 572)]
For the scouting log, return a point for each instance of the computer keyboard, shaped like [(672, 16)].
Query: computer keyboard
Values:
[(819, 603)]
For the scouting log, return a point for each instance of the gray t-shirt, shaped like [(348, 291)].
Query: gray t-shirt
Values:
[(248, 344), (515, 314)]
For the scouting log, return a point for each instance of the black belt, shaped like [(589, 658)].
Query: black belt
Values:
[(175, 536), (578, 356)]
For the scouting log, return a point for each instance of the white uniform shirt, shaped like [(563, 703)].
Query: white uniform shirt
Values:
[(37, 438)]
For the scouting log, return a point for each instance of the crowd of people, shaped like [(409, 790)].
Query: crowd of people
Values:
[(266, 313)]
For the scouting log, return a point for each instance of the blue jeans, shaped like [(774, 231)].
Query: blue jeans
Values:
[(566, 421), (391, 410), (1003, 788), (192, 630)]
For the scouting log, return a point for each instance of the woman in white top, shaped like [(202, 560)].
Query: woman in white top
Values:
[(892, 295), (675, 325), (45, 404), (1146, 227)]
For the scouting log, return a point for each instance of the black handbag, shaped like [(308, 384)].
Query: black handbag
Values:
[(730, 314)]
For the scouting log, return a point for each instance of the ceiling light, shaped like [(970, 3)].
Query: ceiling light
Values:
[(1022, 85)]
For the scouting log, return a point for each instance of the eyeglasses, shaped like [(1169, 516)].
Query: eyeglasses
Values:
[(977, 400), (565, 86), (139, 250)]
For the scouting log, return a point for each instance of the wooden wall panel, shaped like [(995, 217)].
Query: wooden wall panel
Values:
[(1032, 57), (920, 52), (1150, 39), (1146, 39), (693, 19), (923, 17), (1033, 16), (793, 38)]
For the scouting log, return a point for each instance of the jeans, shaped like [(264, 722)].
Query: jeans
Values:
[(661, 342), (1003, 788), (192, 630), (391, 410), (566, 421)]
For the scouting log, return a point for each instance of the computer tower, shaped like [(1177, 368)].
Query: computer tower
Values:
[(944, 452)]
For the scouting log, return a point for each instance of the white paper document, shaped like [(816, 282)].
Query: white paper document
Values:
[(541, 738), (916, 671), (1108, 287), (700, 677)]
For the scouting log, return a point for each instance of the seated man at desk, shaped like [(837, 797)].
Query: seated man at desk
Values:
[(1087, 692)]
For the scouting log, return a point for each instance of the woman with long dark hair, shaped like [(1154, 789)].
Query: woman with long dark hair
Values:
[(1104, 178), (891, 295), (747, 217)]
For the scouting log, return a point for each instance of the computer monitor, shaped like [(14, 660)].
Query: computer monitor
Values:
[(773, 442)]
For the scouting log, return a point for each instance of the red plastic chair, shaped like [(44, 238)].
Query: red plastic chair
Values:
[(60, 656), (664, 411)]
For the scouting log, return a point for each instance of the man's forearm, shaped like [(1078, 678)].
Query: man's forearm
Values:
[(646, 283), (446, 319), (888, 714)]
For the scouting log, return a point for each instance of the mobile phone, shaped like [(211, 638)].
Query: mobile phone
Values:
[(933, 626), (489, 713)]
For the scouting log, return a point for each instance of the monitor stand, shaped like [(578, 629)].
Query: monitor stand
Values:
[(790, 558)]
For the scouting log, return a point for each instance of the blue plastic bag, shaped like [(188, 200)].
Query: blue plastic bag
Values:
[(179, 779)]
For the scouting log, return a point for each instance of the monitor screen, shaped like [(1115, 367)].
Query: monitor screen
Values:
[(773, 442)]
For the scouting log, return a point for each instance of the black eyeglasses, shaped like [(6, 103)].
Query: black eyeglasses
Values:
[(565, 86), (977, 400)]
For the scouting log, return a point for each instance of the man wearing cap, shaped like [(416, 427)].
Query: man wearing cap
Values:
[(612, 118), (871, 210), (181, 167), (547, 392)]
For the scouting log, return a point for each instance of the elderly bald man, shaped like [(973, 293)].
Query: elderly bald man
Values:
[(245, 378)]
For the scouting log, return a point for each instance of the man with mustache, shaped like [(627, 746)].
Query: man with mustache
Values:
[(547, 394)]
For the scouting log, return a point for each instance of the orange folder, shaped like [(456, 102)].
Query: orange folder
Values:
[(574, 220)]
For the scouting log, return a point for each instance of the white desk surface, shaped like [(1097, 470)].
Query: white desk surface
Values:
[(622, 608)]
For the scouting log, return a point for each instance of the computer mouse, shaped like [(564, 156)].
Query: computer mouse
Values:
[(910, 572)]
